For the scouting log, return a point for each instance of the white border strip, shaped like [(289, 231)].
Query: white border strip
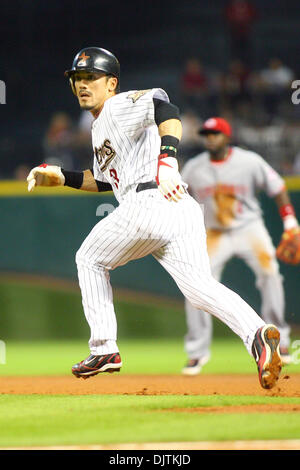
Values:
[(293, 444)]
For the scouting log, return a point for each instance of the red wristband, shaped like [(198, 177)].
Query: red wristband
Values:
[(286, 210)]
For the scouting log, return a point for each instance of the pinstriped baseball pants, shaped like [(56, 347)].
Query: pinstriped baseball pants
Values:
[(174, 233)]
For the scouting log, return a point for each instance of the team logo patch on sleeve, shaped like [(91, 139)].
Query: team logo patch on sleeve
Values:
[(137, 94)]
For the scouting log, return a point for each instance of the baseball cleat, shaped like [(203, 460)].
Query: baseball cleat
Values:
[(194, 366), (286, 358), (92, 365), (265, 350)]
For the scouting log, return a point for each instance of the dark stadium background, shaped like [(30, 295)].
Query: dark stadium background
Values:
[(152, 40)]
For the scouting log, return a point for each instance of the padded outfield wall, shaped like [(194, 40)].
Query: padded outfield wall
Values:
[(42, 231)]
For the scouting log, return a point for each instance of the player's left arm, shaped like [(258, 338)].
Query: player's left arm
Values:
[(288, 249), (170, 130)]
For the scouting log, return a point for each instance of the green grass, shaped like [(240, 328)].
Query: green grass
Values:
[(160, 356), (150, 342), (41, 420), (66, 420)]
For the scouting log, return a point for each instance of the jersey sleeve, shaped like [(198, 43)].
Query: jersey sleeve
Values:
[(267, 179), (134, 110)]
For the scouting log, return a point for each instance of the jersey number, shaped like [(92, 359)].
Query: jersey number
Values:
[(114, 175)]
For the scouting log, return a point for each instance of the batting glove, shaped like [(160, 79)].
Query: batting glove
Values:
[(168, 178), (45, 175)]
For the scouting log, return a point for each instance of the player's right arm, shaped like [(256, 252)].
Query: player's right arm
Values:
[(286, 210), (52, 175), (288, 249)]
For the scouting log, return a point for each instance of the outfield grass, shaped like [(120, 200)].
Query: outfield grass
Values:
[(160, 356)]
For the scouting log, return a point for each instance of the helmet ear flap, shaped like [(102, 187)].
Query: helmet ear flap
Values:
[(71, 80)]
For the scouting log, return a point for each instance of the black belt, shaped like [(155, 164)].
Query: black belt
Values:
[(147, 185)]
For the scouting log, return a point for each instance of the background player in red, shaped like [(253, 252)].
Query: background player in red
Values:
[(225, 180)]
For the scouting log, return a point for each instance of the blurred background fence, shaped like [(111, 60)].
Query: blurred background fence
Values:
[(44, 230)]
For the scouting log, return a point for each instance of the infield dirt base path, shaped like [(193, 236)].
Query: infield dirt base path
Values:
[(118, 384)]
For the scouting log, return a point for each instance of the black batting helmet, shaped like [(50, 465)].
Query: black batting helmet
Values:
[(94, 59)]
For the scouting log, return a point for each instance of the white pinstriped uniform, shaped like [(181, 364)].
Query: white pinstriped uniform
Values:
[(146, 223), (128, 119), (235, 227)]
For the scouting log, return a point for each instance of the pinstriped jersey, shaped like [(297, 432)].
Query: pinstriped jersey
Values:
[(228, 189), (126, 141)]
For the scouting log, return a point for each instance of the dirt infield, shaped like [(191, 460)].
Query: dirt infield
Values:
[(118, 384)]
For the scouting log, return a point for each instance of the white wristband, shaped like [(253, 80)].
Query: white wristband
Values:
[(289, 222)]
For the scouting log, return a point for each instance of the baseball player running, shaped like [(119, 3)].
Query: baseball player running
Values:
[(226, 180), (135, 137)]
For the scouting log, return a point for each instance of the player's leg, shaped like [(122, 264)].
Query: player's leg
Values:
[(197, 340), (186, 260), (117, 239), (198, 286), (257, 250), (205, 293)]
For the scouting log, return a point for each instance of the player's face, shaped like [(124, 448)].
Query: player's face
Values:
[(214, 142), (93, 89)]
